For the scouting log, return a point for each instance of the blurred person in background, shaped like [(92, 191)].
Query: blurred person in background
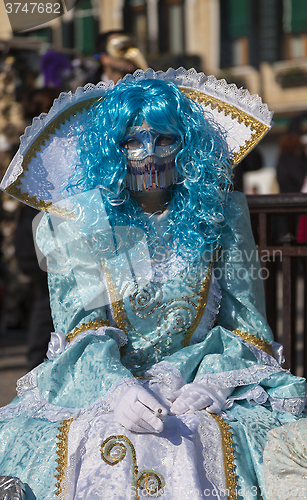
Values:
[(291, 170), (55, 73), (40, 322), (292, 164), (302, 224), (251, 162), (117, 55)]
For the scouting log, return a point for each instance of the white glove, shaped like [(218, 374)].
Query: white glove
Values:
[(197, 396), (138, 411)]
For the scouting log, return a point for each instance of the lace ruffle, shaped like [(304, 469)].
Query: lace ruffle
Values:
[(290, 405), (210, 314), (254, 375), (238, 378), (220, 89), (213, 459), (166, 376), (257, 395), (262, 357)]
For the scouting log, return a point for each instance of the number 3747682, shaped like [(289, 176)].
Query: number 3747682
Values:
[(33, 7)]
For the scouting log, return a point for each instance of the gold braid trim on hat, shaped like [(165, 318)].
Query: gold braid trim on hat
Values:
[(259, 128), (252, 339), (36, 146)]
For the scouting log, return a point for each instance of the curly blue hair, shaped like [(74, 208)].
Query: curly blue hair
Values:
[(198, 200)]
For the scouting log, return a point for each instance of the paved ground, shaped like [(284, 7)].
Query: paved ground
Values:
[(12, 363)]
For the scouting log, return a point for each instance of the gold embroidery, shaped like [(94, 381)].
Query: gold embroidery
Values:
[(50, 207), (117, 304), (148, 297), (123, 322), (252, 339), (91, 325), (49, 130), (228, 454), (179, 319), (119, 312), (201, 304), (113, 450), (62, 453), (259, 128)]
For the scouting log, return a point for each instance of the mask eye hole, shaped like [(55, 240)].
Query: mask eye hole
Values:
[(165, 140), (132, 144)]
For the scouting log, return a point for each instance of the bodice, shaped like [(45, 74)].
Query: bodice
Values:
[(159, 312)]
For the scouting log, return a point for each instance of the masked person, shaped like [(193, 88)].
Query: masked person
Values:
[(160, 379), (117, 55)]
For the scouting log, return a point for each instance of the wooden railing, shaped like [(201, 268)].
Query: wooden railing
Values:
[(275, 221)]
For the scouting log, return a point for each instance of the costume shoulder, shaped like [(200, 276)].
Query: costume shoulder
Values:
[(239, 274)]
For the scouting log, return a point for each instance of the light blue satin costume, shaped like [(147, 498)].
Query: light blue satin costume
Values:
[(285, 459), (168, 327)]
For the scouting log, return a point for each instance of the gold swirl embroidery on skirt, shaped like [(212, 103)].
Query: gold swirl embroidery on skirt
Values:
[(62, 452), (113, 450)]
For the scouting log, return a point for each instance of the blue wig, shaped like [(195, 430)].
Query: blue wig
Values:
[(197, 200)]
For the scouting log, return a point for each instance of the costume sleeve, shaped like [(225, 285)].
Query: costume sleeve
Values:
[(237, 353), (86, 371), (84, 361), (239, 275), (76, 288)]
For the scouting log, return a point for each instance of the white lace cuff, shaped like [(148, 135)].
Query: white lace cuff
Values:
[(166, 376), (294, 406)]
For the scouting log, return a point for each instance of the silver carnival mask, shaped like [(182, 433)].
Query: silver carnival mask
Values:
[(150, 158)]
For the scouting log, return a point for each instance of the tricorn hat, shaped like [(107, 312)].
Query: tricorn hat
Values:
[(48, 150)]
